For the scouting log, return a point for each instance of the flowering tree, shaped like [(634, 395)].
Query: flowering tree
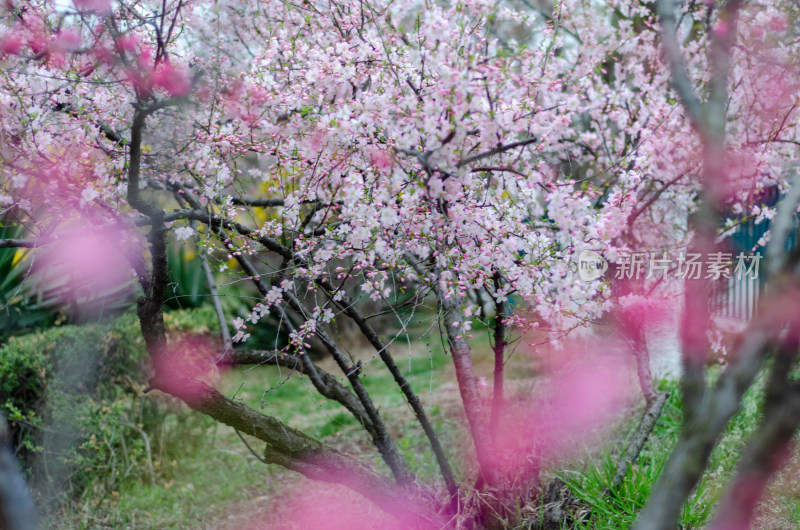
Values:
[(462, 154)]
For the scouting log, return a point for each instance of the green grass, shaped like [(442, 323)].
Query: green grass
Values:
[(187, 491), (619, 509), (214, 470)]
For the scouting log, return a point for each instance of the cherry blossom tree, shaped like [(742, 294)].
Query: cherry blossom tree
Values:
[(460, 155)]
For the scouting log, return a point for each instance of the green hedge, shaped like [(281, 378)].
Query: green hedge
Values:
[(78, 417)]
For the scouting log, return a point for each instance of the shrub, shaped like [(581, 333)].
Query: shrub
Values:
[(74, 401)]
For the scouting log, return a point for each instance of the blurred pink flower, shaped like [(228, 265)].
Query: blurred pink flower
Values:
[(380, 159), (85, 264), (579, 396), (187, 366), (174, 80), (98, 6), (722, 28), (11, 42), (324, 506)]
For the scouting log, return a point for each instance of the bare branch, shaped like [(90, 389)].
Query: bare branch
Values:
[(348, 307), (681, 81), (29, 242), (496, 151), (262, 203), (212, 287), (646, 426), (383, 441), (221, 222)]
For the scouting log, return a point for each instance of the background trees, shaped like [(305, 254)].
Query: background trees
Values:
[(459, 157)]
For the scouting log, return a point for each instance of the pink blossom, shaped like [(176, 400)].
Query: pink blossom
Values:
[(187, 366), (128, 42), (380, 159), (37, 42), (66, 40), (11, 43), (98, 6), (722, 28), (86, 264), (778, 24), (174, 80)]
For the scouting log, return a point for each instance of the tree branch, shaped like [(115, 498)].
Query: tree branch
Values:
[(212, 287), (348, 307), (220, 222), (382, 440), (262, 203), (135, 166), (496, 151), (681, 81), (17, 511), (467, 382), (499, 348), (28, 242), (646, 426), (299, 452)]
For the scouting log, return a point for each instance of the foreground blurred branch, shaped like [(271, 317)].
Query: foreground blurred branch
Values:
[(706, 411), (30, 242), (16, 504), (771, 444)]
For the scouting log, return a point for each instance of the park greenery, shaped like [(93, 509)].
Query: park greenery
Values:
[(322, 264)]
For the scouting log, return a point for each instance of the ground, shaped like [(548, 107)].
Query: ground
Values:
[(219, 483)]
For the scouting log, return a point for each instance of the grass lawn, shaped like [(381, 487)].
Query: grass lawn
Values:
[(214, 481)]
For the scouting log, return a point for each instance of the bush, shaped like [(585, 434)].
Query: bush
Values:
[(78, 417)]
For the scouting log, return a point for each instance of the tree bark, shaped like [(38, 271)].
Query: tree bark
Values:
[(499, 350), (470, 396), (642, 356), (688, 460), (646, 426), (348, 307)]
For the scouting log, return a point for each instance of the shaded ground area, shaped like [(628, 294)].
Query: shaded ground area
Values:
[(219, 483)]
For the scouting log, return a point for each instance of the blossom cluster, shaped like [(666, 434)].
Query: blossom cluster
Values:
[(481, 141)]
